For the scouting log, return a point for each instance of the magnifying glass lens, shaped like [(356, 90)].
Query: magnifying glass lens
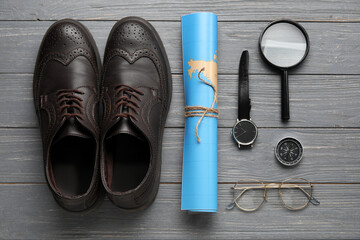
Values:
[(283, 44)]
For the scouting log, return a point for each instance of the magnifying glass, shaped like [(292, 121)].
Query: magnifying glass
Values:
[(284, 44)]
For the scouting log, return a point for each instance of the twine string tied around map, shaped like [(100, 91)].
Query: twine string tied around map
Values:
[(201, 111)]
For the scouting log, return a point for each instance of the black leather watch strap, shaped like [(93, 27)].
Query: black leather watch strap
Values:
[(244, 102)]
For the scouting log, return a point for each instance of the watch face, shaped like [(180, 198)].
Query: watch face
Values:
[(245, 132), (289, 151)]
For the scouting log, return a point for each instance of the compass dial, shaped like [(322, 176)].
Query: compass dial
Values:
[(289, 151)]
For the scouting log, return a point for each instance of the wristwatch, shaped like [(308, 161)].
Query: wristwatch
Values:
[(245, 130)]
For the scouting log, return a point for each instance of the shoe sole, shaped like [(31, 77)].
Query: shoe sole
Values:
[(92, 208)]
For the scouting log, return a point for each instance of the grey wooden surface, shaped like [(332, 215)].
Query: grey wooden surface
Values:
[(325, 111)]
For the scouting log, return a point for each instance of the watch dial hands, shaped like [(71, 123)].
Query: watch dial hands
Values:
[(245, 132), (242, 131)]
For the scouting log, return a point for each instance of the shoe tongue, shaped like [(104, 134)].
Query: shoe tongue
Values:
[(124, 126), (70, 128)]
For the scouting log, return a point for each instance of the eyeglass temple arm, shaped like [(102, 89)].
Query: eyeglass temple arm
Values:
[(313, 200)]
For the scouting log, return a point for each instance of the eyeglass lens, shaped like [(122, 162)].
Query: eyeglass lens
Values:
[(295, 193), (249, 194)]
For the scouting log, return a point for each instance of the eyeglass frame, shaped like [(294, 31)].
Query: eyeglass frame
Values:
[(266, 186)]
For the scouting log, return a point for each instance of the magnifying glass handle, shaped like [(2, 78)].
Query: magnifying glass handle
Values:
[(285, 109)]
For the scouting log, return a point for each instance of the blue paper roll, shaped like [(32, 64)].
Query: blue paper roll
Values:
[(199, 178)]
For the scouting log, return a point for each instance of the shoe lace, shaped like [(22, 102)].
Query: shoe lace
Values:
[(124, 94), (68, 103)]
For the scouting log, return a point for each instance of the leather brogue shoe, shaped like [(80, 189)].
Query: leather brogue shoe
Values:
[(136, 97), (66, 94)]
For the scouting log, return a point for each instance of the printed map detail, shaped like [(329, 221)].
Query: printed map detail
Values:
[(209, 69)]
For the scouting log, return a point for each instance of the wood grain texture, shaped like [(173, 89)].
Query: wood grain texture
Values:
[(325, 113), (228, 10), (329, 156), (316, 101), (36, 216), (335, 47)]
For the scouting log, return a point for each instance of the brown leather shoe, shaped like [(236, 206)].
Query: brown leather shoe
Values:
[(66, 95), (136, 96)]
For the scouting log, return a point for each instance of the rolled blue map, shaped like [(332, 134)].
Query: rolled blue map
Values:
[(199, 177)]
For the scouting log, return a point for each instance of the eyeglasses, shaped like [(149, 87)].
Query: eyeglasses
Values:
[(250, 194)]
